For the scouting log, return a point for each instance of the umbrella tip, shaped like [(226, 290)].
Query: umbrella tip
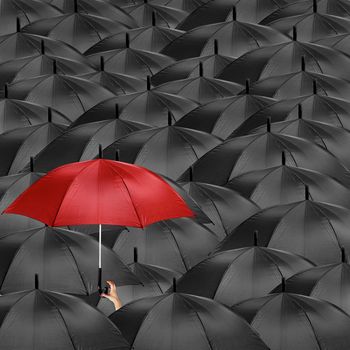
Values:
[(75, 6), (102, 63), (247, 86), (135, 255), (116, 111), (36, 281), (100, 151), (6, 91), (49, 115), (307, 193), (191, 173), (314, 87), (216, 47), (256, 236), (54, 67), (303, 63), (18, 25), (283, 285), (343, 255), (154, 19), (200, 69), (234, 13), (31, 163), (148, 82), (127, 40), (117, 155), (170, 118), (314, 6), (300, 111), (283, 158), (174, 285), (268, 124), (42, 47), (295, 34)]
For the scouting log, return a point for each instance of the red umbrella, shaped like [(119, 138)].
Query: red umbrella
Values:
[(100, 192)]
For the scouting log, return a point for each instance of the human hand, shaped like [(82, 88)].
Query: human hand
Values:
[(112, 295)]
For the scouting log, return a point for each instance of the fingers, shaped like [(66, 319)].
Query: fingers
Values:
[(111, 284)]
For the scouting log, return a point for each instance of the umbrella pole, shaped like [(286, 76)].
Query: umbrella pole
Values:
[(100, 257)]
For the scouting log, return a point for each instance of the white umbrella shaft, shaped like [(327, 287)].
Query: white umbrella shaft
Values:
[(100, 246)]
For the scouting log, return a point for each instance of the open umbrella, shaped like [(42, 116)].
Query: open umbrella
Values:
[(232, 276), (100, 192), (174, 244), (285, 184), (182, 321), (168, 151), (66, 260), (222, 117), (201, 88), (312, 229), (84, 142), (48, 321), (234, 38), (298, 322), (225, 208), (338, 42), (285, 58), (326, 282)]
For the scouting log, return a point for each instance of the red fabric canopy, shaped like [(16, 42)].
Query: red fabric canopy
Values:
[(100, 192)]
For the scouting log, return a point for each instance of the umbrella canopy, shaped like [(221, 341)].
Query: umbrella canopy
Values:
[(312, 26), (285, 58), (132, 61), (182, 321), (17, 114), (235, 275), (174, 244), (285, 184), (168, 151), (23, 143), (222, 117), (167, 16), (49, 321), (212, 65), (66, 259), (225, 207), (27, 11), (314, 230), (234, 38), (298, 322), (327, 282), (76, 29), (69, 95), (337, 42), (119, 193), (201, 89), (240, 155), (84, 142)]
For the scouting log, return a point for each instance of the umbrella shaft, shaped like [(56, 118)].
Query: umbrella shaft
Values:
[(100, 246)]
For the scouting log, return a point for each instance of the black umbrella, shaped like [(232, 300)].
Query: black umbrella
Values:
[(150, 38), (23, 143), (201, 88), (218, 11), (291, 321), (83, 143), (234, 38), (50, 320), (337, 42), (327, 282), (240, 155), (174, 244), (182, 321), (17, 114), (225, 208), (235, 275), (143, 12), (27, 11), (213, 64), (69, 95), (222, 117), (76, 29), (168, 151), (185, 5), (66, 260), (285, 184), (314, 230), (285, 58)]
